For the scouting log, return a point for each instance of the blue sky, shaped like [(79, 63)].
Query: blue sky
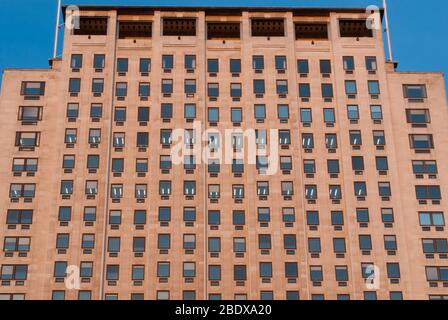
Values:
[(418, 28)]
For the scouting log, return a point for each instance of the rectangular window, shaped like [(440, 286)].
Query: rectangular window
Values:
[(258, 62), (393, 270), (265, 270), (437, 274), (213, 90), (374, 87), (329, 116), (430, 246), (280, 63), (74, 85), (365, 242), (421, 141), (428, 192), (327, 90), (72, 110), (214, 272), (414, 91), (303, 66), (94, 136), (22, 190), (337, 218), (288, 215), (236, 115), (30, 114), (418, 116), (189, 188), (116, 191), (189, 214), (213, 114), (190, 86), (89, 214), (76, 61), (304, 90), (235, 90), (167, 86), (349, 63), (316, 274), (291, 270), (333, 166), (139, 217), (118, 139), (97, 85), (376, 112), (212, 65), (263, 215), (165, 187), (355, 138), (371, 64), (424, 167), (353, 112), (362, 215), (93, 161), (167, 62), (259, 87), (144, 89), (64, 214), (360, 189), (286, 163), (331, 141), (309, 166), (284, 137), (165, 162), (166, 110), (282, 86), (27, 139), (384, 189), (143, 114), (379, 138), (122, 65), (262, 188), (235, 65), (335, 192), (96, 110), (190, 111), (120, 114), (341, 273), (350, 87), (306, 115), (260, 111), (325, 66), (190, 62), (381, 163), (24, 165), (145, 65), (99, 61), (121, 89), (33, 88), (310, 192), (390, 242), (307, 140), (239, 273)]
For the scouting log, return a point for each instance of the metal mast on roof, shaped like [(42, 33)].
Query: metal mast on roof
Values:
[(56, 33), (389, 46)]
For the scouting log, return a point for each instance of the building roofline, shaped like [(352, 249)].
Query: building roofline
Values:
[(223, 9)]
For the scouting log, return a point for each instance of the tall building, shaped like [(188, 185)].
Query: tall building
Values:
[(95, 204)]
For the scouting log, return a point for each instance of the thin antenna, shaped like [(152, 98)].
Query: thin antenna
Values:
[(56, 33), (389, 45)]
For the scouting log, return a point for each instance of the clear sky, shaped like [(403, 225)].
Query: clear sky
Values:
[(419, 29)]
